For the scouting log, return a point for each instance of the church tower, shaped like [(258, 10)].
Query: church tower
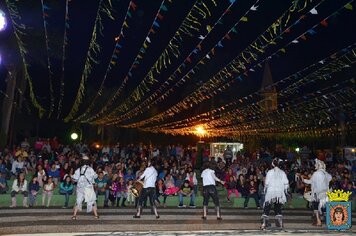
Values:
[(268, 91)]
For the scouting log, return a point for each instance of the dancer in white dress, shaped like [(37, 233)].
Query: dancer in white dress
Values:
[(276, 187), (85, 177)]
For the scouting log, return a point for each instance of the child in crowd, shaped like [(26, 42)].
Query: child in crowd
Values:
[(48, 189), (113, 189), (231, 186), (33, 189), (130, 196), (66, 189), (121, 192)]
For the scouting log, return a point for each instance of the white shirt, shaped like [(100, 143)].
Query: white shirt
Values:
[(150, 174), (276, 185), (319, 183), (87, 179), (209, 177)]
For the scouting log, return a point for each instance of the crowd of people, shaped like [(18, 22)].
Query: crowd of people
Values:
[(51, 167)]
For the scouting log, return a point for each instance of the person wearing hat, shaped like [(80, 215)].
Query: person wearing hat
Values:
[(85, 177), (276, 186), (319, 182), (149, 189)]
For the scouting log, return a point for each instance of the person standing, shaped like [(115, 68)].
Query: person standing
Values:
[(149, 189), (85, 177), (276, 186), (319, 182), (209, 189)]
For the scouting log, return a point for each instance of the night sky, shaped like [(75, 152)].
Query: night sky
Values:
[(329, 37)]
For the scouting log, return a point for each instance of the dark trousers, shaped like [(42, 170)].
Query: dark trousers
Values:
[(254, 196), (277, 208), (147, 192), (210, 191)]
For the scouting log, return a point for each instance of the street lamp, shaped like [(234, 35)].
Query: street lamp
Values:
[(74, 136), (2, 21)]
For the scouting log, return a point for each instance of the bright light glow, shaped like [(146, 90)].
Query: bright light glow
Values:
[(2, 20), (353, 150), (74, 136), (97, 146), (200, 130), (297, 149), (234, 149)]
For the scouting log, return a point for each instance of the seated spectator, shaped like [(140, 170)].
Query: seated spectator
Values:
[(18, 166), (33, 189), (19, 186), (48, 189), (101, 187), (55, 173), (66, 189), (186, 191), (160, 189), (192, 178), (252, 193), (171, 189), (231, 186), (41, 175), (3, 183)]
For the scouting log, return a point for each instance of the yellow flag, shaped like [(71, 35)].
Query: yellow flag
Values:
[(244, 19)]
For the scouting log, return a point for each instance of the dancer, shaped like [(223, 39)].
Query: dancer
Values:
[(85, 177), (149, 189), (209, 189), (276, 186), (319, 186)]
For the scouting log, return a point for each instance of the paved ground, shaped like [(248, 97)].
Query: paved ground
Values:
[(173, 221)]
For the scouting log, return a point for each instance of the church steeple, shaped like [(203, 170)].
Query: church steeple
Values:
[(268, 91)]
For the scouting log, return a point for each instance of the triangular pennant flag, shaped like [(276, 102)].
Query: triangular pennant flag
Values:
[(129, 14), (282, 50), (159, 16), (295, 41), (207, 56), (227, 36), (233, 30), (145, 45), (303, 37), (199, 47), (220, 22), (125, 24), (208, 28), (232, 1), (348, 6), (195, 51), (148, 39), (133, 5), (155, 23), (311, 31), (129, 74), (313, 11), (164, 8), (244, 19), (189, 60), (46, 7), (201, 37), (324, 23), (220, 44), (152, 31), (254, 8), (213, 51)]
